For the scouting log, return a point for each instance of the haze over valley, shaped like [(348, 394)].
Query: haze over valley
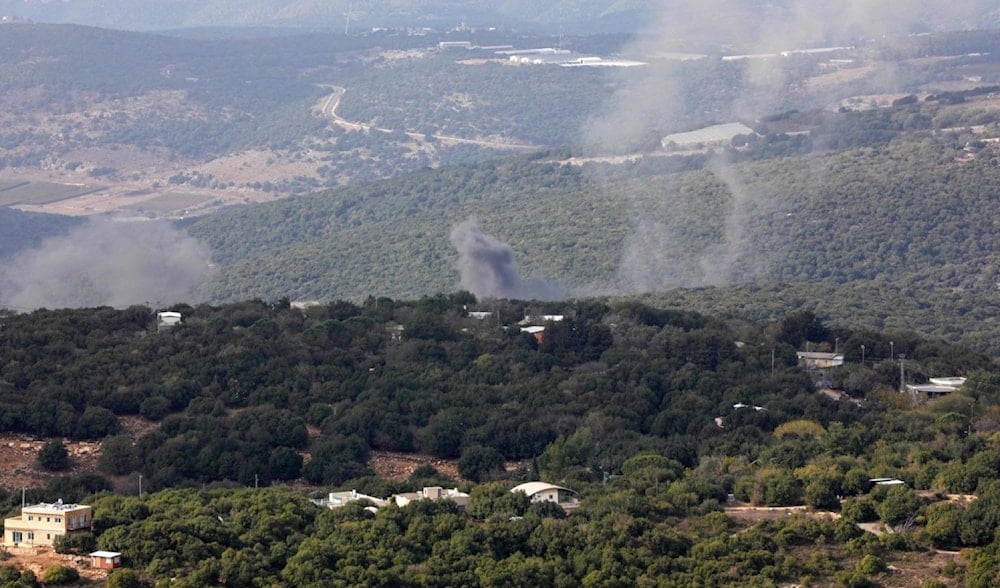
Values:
[(439, 292)]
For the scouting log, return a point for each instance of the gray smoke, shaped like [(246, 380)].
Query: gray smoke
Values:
[(735, 257), (106, 263), (487, 268), (654, 98)]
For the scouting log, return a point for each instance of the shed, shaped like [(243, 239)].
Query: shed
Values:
[(167, 319), (819, 360), (106, 560)]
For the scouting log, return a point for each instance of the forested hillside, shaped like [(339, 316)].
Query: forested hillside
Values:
[(915, 212), (651, 415)]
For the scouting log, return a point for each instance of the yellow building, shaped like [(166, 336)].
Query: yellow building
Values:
[(40, 524)]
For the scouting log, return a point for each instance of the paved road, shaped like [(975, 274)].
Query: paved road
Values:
[(329, 110)]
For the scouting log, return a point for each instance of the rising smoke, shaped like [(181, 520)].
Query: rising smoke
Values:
[(487, 268), (106, 263), (656, 99)]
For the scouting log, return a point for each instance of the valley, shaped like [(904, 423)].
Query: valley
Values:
[(412, 304)]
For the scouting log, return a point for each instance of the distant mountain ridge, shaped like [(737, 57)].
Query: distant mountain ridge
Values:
[(572, 15), (155, 14)]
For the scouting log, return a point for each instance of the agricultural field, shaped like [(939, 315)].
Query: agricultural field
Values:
[(10, 185), (42, 192), (170, 202)]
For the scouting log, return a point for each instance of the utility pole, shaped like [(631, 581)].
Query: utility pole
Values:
[(902, 373), (140, 485), (255, 478), (862, 356), (772, 362)]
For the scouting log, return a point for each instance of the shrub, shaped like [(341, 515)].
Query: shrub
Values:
[(480, 463), (9, 574), (53, 456), (124, 579), (118, 456), (58, 574), (155, 408), (76, 543), (871, 565)]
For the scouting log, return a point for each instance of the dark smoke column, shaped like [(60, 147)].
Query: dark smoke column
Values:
[(488, 269), (487, 266)]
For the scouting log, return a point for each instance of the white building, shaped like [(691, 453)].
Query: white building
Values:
[(433, 493), (40, 524), (707, 136), (167, 319), (936, 387), (339, 499), (819, 360), (545, 492)]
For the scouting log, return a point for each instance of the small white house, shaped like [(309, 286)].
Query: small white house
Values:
[(819, 360), (545, 492), (433, 493), (167, 319), (339, 499), (105, 560)]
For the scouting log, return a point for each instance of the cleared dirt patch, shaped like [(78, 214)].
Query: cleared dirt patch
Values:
[(399, 466), (39, 559), (19, 454)]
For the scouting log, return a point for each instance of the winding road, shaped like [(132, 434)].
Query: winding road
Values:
[(332, 102)]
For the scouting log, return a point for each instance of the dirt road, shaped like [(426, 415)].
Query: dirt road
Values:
[(332, 102)]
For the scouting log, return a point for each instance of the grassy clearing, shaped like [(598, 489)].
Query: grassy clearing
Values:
[(43, 193)]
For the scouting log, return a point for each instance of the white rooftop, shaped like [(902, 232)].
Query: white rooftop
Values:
[(532, 488), (59, 506), (818, 355), (953, 381), (712, 134), (106, 554)]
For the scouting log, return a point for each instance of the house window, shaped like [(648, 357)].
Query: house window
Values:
[(31, 536), (58, 519), (31, 517), (17, 536), (48, 535), (48, 519)]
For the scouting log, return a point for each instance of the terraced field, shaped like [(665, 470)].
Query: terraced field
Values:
[(13, 192)]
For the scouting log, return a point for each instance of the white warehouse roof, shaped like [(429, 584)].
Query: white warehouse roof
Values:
[(532, 488), (712, 134)]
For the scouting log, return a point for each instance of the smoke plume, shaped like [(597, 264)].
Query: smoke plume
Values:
[(106, 263), (659, 97), (487, 268)]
